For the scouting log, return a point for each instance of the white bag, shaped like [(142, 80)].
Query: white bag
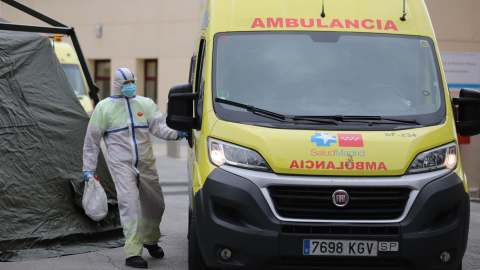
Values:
[(94, 199)]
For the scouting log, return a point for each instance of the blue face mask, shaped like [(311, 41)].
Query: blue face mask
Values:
[(129, 89)]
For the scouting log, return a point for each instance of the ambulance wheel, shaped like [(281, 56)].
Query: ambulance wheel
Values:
[(195, 258), (460, 267)]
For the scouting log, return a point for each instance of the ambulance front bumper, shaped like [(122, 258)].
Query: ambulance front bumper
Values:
[(234, 214)]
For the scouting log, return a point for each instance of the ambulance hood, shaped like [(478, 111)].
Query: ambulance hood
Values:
[(329, 152)]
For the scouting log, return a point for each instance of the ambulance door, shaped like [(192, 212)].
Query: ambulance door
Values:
[(196, 141)]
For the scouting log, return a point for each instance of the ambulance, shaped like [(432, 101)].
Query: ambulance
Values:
[(71, 66), (322, 135)]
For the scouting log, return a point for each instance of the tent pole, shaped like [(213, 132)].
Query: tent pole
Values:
[(58, 28)]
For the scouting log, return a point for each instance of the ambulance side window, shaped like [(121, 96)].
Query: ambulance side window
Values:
[(200, 83)]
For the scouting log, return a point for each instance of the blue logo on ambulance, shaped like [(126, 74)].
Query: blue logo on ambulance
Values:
[(323, 139)]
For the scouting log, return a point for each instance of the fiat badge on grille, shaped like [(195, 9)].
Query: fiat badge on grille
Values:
[(340, 198)]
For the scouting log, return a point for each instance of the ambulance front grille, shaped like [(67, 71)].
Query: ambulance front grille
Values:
[(365, 203)]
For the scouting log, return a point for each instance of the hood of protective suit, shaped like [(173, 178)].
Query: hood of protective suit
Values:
[(121, 75)]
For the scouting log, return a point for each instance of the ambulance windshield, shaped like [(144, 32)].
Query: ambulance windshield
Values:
[(74, 76), (327, 74)]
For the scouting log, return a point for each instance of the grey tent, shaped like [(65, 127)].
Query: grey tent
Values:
[(42, 128)]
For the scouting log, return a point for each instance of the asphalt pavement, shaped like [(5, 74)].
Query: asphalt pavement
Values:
[(173, 175)]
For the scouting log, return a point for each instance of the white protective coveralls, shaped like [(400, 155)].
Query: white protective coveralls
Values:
[(125, 125)]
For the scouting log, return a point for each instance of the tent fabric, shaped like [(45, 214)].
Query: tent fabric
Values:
[(42, 130)]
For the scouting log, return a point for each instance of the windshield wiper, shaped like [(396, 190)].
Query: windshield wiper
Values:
[(331, 119), (253, 109), (273, 115), (354, 118), (375, 118), (314, 119)]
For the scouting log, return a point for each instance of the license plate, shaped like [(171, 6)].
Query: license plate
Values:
[(324, 247)]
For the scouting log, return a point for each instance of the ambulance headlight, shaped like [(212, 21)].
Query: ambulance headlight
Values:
[(223, 153), (443, 157)]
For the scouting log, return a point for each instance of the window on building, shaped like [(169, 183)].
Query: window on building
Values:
[(151, 67), (102, 77)]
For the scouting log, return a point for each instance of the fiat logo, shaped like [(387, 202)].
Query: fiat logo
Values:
[(340, 198)]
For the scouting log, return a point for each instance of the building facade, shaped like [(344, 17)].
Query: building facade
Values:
[(155, 38)]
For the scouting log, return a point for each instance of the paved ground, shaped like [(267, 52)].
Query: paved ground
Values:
[(174, 227), (173, 176), (471, 261)]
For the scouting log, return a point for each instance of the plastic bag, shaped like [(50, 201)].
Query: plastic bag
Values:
[(94, 200)]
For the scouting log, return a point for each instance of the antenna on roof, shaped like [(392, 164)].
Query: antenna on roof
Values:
[(404, 13), (323, 9)]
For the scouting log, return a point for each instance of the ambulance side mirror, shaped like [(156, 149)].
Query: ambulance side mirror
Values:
[(468, 102), (180, 107)]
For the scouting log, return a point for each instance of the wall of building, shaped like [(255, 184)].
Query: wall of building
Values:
[(133, 31), (456, 24), (457, 29)]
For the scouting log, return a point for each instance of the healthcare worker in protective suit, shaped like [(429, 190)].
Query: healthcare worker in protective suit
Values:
[(125, 121)]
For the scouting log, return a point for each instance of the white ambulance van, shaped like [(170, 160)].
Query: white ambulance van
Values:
[(323, 136)]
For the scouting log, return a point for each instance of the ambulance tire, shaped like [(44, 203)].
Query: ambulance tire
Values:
[(460, 266), (195, 258)]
